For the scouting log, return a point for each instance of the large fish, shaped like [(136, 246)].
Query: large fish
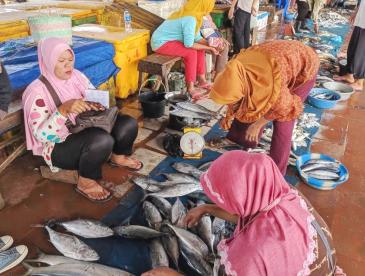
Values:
[(320, 161), (195, 108), (152, 215), (147, 183), (200, 195), (158, 254), (171, 245), (205, 229), (162, 205), (87, 228), (178, 213), (177, 190), (75, 269), (183, 113), (72, 247), (334, 167), (137, 232), (196, 262), (218, 228), (323, 175), (181, 178), (54, 260), (187, 169)]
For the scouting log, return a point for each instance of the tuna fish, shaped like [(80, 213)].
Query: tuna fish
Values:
[(147, 183), (137, 232), (178, 212), (87, 228), (152, 215), (162, 205), (183, 113), (177, 190), (171, 245), (196, 262), (181, 178), (205, 229), (195, 108), (158, 254), (187, 169)]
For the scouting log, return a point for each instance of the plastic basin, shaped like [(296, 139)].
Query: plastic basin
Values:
[(345, 90), (322, 103)]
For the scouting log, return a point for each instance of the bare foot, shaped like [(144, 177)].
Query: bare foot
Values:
[(347, 78), (126, 161), (92, 188), (357, 85)]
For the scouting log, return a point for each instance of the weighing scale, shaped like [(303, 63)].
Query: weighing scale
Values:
[(192, 143)]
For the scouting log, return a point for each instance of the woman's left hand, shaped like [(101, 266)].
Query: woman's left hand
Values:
[(253, 132), (214, 51)]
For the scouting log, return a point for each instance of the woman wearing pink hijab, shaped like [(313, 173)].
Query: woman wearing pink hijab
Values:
[(45, 124), (277, 233)]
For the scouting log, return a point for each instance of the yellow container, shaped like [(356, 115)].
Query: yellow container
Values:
[(74, 13), (13, 36), (109, 85), (129, 49)]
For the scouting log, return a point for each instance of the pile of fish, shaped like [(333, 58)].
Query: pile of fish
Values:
[(329, 19), (325, 96), (321, 169), (188, 110)]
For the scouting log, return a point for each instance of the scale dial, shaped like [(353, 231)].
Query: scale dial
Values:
[(192, 143)]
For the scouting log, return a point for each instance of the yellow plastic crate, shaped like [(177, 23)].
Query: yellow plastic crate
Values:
[(74, 13), (13, 36), (11, 29), (129, 49)]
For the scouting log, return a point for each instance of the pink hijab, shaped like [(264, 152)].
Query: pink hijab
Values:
[(49, 51), (280, 240)]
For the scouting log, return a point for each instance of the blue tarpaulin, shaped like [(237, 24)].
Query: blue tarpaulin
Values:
[(93, 57)]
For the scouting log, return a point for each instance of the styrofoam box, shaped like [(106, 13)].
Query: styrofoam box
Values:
[(260, 21), (161, 8)]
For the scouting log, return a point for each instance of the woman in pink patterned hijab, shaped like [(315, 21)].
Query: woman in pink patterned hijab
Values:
[(277, 233)]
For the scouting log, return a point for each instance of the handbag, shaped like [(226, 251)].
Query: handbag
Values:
[(101, 119)]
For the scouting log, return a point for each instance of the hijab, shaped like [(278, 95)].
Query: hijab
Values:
[(49, 51), (279, 239), (197, 9)]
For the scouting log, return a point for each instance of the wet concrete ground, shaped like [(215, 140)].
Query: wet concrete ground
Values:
[(33, 200)]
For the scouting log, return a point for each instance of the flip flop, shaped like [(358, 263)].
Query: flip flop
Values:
[(206, 86), (93, 199), (113, 164)]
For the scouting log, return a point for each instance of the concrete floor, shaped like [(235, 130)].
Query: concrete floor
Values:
[(33, 200)]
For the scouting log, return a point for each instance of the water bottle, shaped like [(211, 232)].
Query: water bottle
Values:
[(127, 21)]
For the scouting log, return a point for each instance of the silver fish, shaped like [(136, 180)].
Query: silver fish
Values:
[(320, 161), (323, 175), (196, 262), (178, 212), (181, 178), (315, 166), (158, 254), (75, 269), (162, 205), (187, 169), (216, 267), (204, 167), (205, 229), (147, 183), (137, 232), (190, 241), (171, 245), (194, 107), (218, 227), (70, 246), (87, 228), (54, 260), (152, 215), (183, 113), (177, 190)]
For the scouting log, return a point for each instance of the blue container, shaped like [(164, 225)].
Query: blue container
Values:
[(318, 183), (322, 103), (289, 17)]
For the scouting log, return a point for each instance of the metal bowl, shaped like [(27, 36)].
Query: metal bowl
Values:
[(174, 97), (345, 90)]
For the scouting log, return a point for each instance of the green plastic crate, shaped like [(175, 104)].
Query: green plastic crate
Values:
[(219, 18), (85, 20)]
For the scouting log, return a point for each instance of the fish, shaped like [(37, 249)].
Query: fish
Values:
[(200, 195), (178, 213), (218, 227), (323, 175), (180, 178), (216, 267), (183, 113), (187, 169), (334, 167), (320, 161), (158, 254), (195, 108), (147, 183), (171, 245), (196, 262), (87, 228), (137, 232), (204, 167), (162, 205), (72, 247), (205, 229), (177, 190), (152, 215), (190, 241), (54, 260), (75, 269)]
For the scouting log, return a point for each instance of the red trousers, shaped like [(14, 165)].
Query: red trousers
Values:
[(194, 60), (282, 133)]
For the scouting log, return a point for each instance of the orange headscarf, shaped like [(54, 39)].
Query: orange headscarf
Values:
[(250, 86)]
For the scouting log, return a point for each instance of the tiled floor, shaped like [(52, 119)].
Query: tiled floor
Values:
[(33, 200)]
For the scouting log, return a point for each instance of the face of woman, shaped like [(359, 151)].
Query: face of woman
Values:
[(64, 65)]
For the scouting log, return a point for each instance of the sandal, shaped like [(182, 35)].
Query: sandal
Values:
[(110, 196), (206, 86), (113, 164)]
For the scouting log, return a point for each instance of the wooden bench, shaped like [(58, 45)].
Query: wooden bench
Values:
[(157, 64)]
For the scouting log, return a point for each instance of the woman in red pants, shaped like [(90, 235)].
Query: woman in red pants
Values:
[(264, 83), (179, 35)]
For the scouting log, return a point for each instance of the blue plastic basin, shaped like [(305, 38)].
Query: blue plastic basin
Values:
[(322, 103)]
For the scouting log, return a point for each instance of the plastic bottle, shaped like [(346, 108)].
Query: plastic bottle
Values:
[(127, 21)]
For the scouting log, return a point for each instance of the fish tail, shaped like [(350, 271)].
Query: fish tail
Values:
[(38, 259), (37, 225), (29, 268)]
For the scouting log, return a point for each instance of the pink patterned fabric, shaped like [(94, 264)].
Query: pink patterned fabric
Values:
[(49, 51), (280, 239)]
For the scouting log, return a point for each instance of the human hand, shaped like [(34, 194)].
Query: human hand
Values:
[(161, 271), (254, 11), (194, 215), (96, 106), (75, 106), (253, 132), (352, 18), (214, 51), (231, 13)]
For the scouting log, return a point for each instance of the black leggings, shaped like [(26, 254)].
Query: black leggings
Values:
[(87, 150), (356, 53), (241, 30), (303, 11)]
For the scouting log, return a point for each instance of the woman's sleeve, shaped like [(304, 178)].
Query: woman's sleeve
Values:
[(189, 32), (44, 125)]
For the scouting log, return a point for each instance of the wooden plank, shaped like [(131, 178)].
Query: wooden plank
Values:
[(10, 121), (10, 141), (12, 157), (65, 176)]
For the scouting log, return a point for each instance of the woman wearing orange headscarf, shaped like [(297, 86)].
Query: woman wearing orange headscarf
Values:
[(179, 35), (268, 82)]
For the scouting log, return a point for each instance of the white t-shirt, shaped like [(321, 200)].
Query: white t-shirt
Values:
[(246, 5), (360, 17)]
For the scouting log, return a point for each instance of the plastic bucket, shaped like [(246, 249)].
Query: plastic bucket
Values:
[(153, 103)]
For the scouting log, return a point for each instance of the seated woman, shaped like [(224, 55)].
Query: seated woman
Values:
[(46, 130), (179, 36), (266, 83)]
